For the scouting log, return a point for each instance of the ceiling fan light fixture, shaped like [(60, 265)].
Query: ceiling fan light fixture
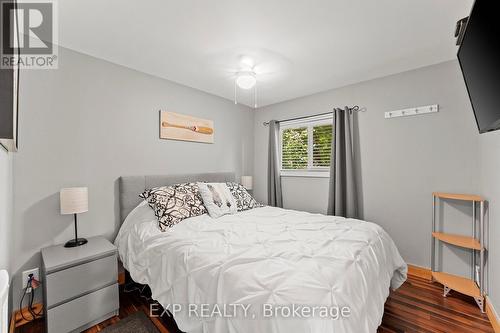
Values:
[(246, 80), (247, 63)]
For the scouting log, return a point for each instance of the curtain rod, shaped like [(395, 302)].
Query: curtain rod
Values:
[(355, 108)]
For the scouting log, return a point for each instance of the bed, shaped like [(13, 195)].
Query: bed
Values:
[(262, 270)]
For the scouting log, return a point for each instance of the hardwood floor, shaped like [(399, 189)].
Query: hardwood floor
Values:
[(418, 306)]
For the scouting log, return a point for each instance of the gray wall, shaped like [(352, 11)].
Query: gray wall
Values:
[(402, 160), (91, 121), (5, 208), (490, 188)]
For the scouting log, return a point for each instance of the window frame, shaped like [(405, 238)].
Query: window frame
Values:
[(310, 123)]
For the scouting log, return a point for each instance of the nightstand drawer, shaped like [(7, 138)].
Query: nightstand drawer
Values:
[(72, 282), (81, 311)]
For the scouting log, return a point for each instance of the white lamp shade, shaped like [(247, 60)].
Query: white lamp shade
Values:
[(247, 182), (74, 200)]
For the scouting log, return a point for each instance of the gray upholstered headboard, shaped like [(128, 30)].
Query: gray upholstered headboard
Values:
[(131, 186)]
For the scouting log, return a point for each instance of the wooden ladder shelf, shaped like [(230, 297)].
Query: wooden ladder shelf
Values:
[(453, 282), (458, 240)]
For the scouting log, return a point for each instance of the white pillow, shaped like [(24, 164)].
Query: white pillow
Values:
[(217, 199), (140, 214)]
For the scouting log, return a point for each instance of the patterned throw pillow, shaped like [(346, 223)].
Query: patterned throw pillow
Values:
[(174, 203), (217, 199), (244, 200)]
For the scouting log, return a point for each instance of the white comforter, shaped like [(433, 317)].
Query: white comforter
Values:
[(251, 271)]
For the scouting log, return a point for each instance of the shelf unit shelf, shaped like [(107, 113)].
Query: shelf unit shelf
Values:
[(462, 285), (455, 196), (476, 246), (458, 240)]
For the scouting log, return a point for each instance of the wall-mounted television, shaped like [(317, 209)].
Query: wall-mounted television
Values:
[(479, 57)]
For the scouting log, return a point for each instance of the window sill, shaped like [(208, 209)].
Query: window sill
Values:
[(312, 174)]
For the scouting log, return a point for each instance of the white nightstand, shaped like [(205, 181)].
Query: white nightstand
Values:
[(80, 285)]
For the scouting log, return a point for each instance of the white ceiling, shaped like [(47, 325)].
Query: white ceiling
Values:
[(300, 46)]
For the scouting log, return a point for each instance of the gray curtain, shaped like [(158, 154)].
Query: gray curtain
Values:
[(343, 200), (274, 196)]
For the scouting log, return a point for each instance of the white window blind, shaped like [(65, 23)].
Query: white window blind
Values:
[(294, 148), (306, 146), (322, 145)]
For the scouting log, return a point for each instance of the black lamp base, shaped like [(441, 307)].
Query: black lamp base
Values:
[(75, 242)]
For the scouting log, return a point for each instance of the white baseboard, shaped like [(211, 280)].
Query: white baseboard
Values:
[(492, 315)]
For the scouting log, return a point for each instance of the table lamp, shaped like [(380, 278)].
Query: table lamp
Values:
[(74, 200)]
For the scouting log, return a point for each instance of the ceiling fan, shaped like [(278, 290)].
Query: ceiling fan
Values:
[(246, 79)]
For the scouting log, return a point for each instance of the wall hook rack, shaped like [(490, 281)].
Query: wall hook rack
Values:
[(412, 111)]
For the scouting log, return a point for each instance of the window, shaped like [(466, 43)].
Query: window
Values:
[(306, 146)]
